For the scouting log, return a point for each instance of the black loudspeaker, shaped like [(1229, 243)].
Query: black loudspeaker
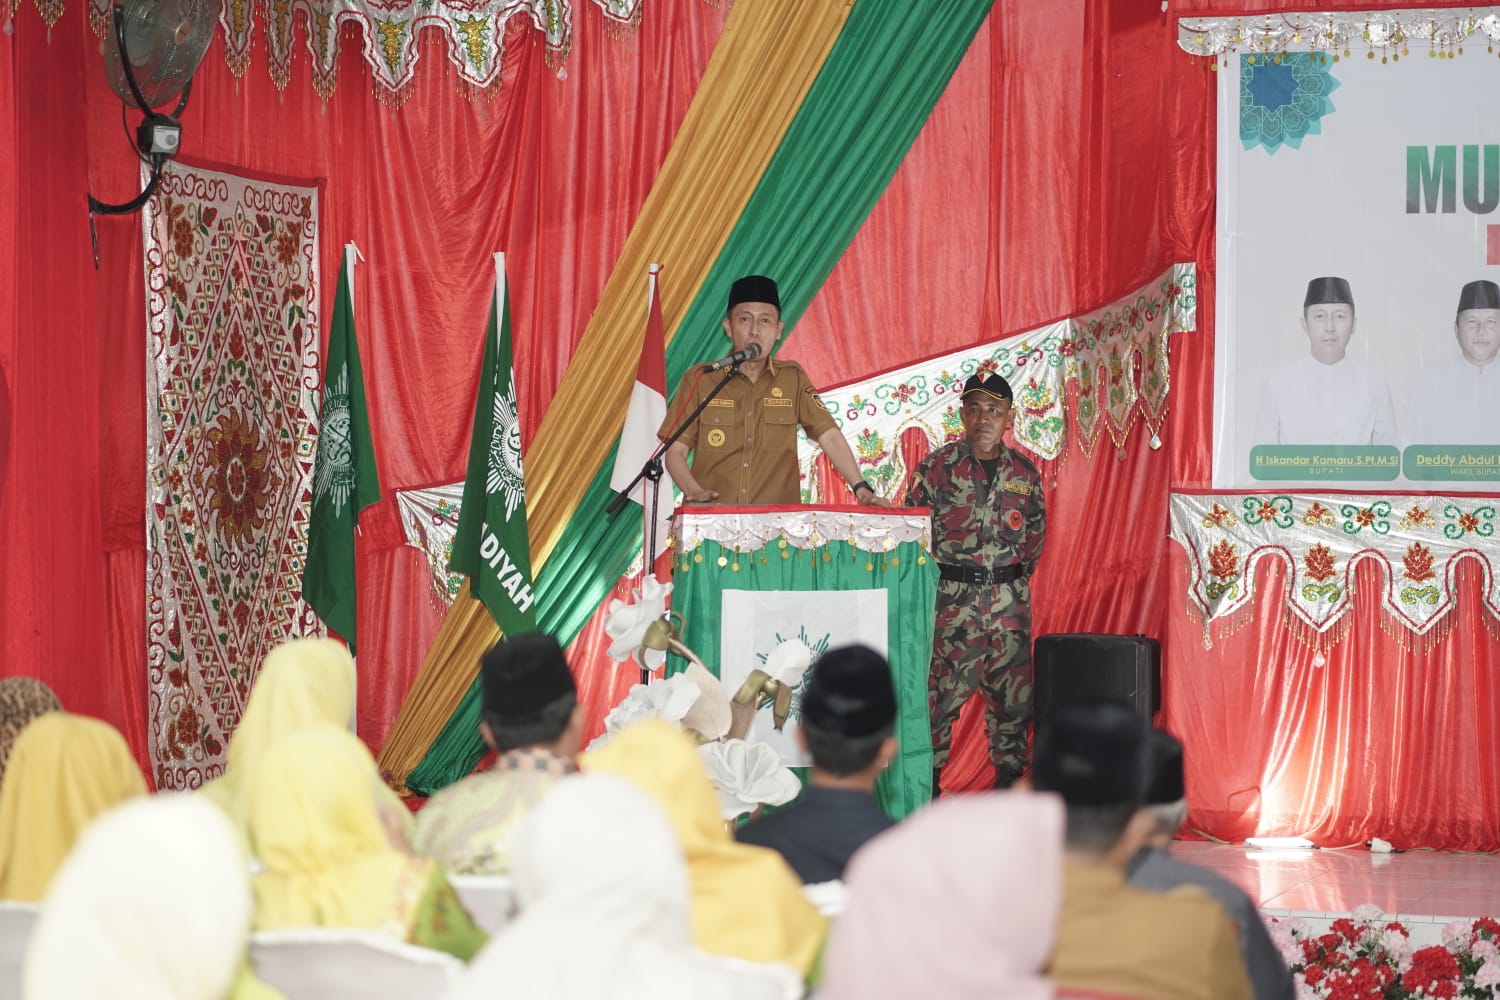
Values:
[(1089, 665)]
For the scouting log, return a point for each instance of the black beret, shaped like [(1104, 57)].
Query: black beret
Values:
[(1479, 295), (754, 288), (1094, 753), (849, 692), (523, 674), (989, 383), (1167, 784), (1324, 290)]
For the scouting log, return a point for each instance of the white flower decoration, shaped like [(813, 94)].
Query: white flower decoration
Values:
[(748, 775), (668, 699), (710, 715), (788, 662), (626, 623)]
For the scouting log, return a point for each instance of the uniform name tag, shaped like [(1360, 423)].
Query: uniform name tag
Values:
[(777, 402), (1016, 486), (722, 402)]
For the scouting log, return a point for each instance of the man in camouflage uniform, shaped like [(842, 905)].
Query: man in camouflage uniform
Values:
[(989, 521)]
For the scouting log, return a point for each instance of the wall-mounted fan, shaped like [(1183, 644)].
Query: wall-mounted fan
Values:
[(150, 58)]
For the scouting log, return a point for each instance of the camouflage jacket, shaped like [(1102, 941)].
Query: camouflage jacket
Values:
[(973, 522)]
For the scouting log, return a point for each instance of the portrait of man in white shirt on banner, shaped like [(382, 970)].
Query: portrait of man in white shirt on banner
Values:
[(1458, 401), (1325, 398)]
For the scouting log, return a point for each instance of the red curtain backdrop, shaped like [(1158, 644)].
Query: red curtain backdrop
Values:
[(1387, 738), (553, 171), (1071, 159)]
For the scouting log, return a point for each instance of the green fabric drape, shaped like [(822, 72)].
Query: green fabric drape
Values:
[(891, 63), (909, 578)]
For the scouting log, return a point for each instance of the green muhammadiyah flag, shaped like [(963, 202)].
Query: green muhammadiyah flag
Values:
[(492, 546), (345, 480)]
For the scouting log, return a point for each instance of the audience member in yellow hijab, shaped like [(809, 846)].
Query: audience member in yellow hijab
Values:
[(327, 859), (64, 770), (301, 683), (746, 901), (21, 700)]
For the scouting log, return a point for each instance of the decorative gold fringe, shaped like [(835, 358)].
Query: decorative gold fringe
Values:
[(1321, 643), (1230, 625), (477, 95)]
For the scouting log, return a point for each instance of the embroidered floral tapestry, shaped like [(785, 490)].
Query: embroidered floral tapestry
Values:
[(1417, 539), (232, 338), (1116, 358)]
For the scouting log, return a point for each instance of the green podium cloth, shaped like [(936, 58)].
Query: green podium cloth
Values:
[(746, 579)]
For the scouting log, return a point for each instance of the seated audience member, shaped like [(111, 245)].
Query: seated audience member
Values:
[(848, 717), (1114, 938), (746, 902), (533, 720), (603, 892), (21, 700), (302, 682), (328, 860), (64, 771), (1153, 868), (961, 900), (153, 904)]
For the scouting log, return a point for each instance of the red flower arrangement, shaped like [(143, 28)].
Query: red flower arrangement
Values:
[(1367, 958)]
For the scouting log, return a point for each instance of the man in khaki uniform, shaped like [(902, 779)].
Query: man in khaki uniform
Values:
[(744, 445), (1114, 938)]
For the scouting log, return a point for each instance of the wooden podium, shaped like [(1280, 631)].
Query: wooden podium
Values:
[(747, 579)]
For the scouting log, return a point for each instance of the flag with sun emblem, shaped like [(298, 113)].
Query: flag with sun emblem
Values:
[(345, 480), (492, 545)]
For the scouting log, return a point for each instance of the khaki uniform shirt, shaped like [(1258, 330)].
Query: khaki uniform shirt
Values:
[(744, 444), (1122, 941)]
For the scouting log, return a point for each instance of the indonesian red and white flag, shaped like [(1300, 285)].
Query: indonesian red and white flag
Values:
[(648, 408)]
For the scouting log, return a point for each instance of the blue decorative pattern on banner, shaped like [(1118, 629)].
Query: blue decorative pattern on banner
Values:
[(1284, 98)]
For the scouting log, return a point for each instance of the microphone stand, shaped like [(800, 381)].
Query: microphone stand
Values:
[(652, 472)]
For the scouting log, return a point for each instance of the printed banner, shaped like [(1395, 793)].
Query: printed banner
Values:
[(1358, 317), (756, 622), (231, 418)]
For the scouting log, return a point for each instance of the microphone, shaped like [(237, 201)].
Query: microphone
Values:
[(750, 351)]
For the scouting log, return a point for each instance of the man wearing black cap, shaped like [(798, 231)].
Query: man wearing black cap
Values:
[(532, 719), (1113, 938), (989, 521), (848, 722), (1153, 868), (1458, 401), (1326, 399), (744, 445)]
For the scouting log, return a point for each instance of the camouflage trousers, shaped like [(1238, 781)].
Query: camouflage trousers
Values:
[(982, 641)]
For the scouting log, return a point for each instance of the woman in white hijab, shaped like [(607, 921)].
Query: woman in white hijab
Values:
[(603, 893), (153, 903)]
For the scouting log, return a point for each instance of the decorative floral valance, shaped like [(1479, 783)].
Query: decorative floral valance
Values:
[(1389, 33), (1320, 537), (429, 518), (747, 529), (1116, 356), (475, 32)]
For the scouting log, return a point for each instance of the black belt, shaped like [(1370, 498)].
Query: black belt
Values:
[(982, 574)]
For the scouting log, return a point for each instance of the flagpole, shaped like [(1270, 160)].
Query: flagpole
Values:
[(651, 511)]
